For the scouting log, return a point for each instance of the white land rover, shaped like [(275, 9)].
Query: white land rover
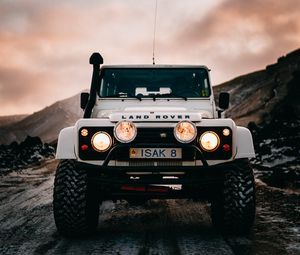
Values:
[(153, 132)]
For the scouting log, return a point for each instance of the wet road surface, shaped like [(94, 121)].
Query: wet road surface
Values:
[(159, 227)]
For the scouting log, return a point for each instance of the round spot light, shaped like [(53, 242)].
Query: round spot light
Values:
[(185, 131), (125, 131)]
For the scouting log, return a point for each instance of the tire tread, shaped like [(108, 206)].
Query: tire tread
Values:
[(74, 213)]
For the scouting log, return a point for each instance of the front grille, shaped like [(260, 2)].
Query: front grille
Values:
[(155, 135), (158, 137), (139, 163)]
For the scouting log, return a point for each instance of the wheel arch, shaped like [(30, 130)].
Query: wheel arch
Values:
[(65, 144), (245, 148)]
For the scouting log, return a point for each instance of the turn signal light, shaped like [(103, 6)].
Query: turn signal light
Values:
[(84, 147), (226, 147), (226, 132), (84, 132)]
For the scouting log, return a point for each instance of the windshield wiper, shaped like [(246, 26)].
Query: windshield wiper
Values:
[(170, 95), (123, 95)]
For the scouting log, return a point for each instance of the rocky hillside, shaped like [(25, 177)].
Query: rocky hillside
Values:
[(254, 96), (21, 155), (268, 103), (277, 140), (45, 124)]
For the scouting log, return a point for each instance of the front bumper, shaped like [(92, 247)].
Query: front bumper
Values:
[(113, 153), (135, 175), (126, 174), (112, 179), (201, 182)]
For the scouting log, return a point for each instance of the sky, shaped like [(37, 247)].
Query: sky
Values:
[(45, 45)]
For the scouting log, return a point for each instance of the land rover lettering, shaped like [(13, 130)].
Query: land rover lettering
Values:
[(155, 117)]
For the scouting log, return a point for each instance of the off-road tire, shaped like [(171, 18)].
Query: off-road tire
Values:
[(233, 207), (75, 204)]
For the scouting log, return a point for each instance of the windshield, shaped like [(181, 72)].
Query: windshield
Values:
[(154, 82)]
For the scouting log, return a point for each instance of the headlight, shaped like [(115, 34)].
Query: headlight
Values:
[(101, 141), (209, 141), (185, 132), (125, 131)]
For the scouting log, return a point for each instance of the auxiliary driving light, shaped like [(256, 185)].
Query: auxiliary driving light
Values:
[(209, 141), (101, 141), (125, 131), (185, 131)]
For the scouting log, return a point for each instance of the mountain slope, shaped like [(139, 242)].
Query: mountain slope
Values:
[(254, 96), (45, 123), (11, 119)]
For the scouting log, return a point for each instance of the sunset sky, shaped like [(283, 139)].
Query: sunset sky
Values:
[(45, 45)]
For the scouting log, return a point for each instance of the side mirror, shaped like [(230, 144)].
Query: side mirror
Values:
[(224, 100), (84, 98)]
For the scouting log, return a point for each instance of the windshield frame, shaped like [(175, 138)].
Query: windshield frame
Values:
[(168, 96)]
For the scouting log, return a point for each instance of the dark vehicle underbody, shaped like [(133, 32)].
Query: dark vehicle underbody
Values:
[(126, 182), (145, 180)]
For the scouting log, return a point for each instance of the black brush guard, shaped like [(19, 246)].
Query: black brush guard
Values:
[(197, 181)]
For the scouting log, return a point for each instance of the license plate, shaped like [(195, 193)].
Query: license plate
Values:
[(159, 153)]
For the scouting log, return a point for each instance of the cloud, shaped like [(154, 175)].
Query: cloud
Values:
[(44, 52), (241, 36), (45, 45), (16, 96)]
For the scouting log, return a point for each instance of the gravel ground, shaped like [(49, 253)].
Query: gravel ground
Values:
[(158, 227)]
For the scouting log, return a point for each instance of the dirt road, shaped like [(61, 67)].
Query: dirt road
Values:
[(159, 227)]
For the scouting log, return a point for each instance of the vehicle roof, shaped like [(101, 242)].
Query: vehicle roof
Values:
[(154, 66)]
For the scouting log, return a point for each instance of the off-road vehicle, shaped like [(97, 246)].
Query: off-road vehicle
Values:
[(148, 132)]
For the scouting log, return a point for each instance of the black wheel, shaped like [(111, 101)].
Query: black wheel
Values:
[(233, 208), (75, 202)]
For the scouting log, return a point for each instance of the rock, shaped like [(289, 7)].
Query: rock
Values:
[(29, 152)]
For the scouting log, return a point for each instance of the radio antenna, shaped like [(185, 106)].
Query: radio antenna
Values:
[(154, 34)]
